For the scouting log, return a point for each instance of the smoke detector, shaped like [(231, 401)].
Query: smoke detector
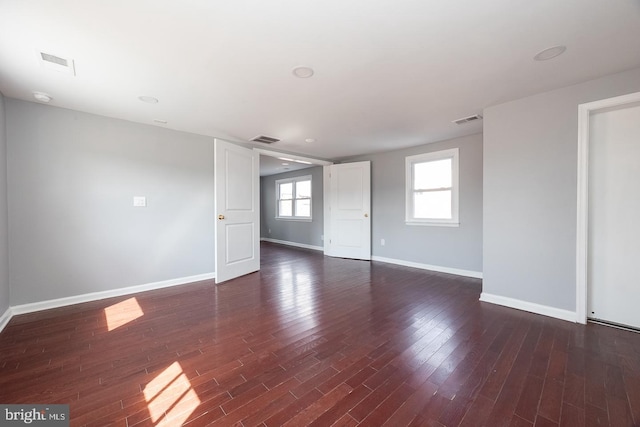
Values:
[(303, 72), (550, 53)]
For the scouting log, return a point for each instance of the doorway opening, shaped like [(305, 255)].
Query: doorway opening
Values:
[(292, 199)]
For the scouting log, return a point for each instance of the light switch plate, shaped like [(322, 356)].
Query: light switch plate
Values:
[(139, 201)]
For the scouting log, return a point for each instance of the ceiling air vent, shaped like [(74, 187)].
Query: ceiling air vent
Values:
[(55, 59), (467, 119), (265, 139), (57, 63)]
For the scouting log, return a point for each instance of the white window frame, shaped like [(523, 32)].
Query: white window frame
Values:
[(410, 161), (294, 180)]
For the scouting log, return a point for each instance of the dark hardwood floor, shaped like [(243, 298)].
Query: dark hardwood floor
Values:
[(311, 340)]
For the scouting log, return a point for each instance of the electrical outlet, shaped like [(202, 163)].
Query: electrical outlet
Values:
[(139, 201), (382, 242)]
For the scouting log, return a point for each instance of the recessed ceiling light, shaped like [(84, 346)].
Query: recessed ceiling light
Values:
[(164, 122), (310, 140), (42, 97), (303, 72), (148, 99), (550, 53), (285, 164)]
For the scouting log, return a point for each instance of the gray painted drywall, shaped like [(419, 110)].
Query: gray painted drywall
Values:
[(451, 247), (530, 190), (305, 232), (71, 180), (4, 268)]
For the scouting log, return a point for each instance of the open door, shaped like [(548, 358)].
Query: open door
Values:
[(613, 251), (349, 211), (237, 196)]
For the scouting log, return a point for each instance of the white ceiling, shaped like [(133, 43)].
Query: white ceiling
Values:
[(388, 73)]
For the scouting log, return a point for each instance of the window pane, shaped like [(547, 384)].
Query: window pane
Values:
[(286, 191), (430, 175), (432, 205), (285, 208), (303, 207), (303, 189)]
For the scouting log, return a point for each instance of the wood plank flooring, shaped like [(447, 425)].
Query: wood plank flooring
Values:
[(312, 340)]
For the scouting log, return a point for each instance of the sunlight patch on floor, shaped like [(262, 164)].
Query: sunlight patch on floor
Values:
[(170, 398), (122, 313)]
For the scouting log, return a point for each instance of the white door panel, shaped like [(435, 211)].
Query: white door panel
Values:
[(350, 184), (237, 184), (239, 242), (240, 164), (614, 209), (350, 210), (348, 233)]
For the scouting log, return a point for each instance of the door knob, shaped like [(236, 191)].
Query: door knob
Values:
[(366, 215), (220, 216)]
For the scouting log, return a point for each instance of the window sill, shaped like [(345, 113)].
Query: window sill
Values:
[(280, 218), (433, 223)]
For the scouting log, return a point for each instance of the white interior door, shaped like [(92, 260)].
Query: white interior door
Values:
[(237, 187), (613, 291), (349, 211)]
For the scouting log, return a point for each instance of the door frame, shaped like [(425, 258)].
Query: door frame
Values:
[(314, 162), (582, 229), (277, 154)]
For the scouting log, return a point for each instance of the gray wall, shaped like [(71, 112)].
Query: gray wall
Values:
[(304, 232), (530, 167), (71, 180), (4, 270), (452, 247)]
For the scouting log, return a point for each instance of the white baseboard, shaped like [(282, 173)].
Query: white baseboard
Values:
[(439, 269), (93, 296), (4, 319), (297, 245), (531, 307)]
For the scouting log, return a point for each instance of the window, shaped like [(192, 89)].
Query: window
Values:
[(293, 198), (432, 188)]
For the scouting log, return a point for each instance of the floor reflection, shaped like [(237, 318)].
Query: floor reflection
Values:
[(297, 295)]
